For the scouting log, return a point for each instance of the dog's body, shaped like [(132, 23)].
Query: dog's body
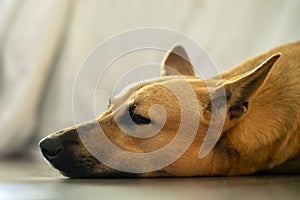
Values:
[(261, 131)]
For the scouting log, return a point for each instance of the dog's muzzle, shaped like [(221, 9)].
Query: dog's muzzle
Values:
[(56, 150)]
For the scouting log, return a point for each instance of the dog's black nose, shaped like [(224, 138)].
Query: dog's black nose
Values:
[(50, 147)]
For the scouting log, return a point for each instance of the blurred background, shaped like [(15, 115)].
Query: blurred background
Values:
[(43, 44)]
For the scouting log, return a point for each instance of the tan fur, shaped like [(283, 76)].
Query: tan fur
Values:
[(261, 129)]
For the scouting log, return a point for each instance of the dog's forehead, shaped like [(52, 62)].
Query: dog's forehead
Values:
[(136, 90), (155, 87)]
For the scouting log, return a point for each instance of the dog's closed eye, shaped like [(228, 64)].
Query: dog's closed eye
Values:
[(137, 118)]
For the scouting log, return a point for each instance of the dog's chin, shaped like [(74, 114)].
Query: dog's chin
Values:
[(69, 169), (106, 175), (72, 170), (81, 173)]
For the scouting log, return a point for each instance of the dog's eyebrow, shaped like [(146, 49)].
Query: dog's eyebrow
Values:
[(109, 102), (115, 100)]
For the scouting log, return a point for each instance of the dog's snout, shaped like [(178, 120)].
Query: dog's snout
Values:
[(50, 147)]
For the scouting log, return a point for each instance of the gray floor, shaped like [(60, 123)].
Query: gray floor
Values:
[(35, 180)]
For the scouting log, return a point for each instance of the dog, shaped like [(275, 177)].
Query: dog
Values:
[(260, 131)]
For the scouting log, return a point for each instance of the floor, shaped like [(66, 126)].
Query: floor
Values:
[(36, 180)]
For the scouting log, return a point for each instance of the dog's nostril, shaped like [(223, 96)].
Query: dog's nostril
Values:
[(50, 147), (51, 152)]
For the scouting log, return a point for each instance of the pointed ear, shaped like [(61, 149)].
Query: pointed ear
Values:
[(240, 89), (177, 62)]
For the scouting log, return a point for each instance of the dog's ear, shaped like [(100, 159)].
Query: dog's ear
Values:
[(177, 62), (241, 88)]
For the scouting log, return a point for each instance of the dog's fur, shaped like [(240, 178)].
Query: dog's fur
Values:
[(261, 130)]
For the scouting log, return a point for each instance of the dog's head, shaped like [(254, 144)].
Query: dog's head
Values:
[(153, 112)]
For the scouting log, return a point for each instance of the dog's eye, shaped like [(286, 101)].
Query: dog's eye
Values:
[(137, 118)]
